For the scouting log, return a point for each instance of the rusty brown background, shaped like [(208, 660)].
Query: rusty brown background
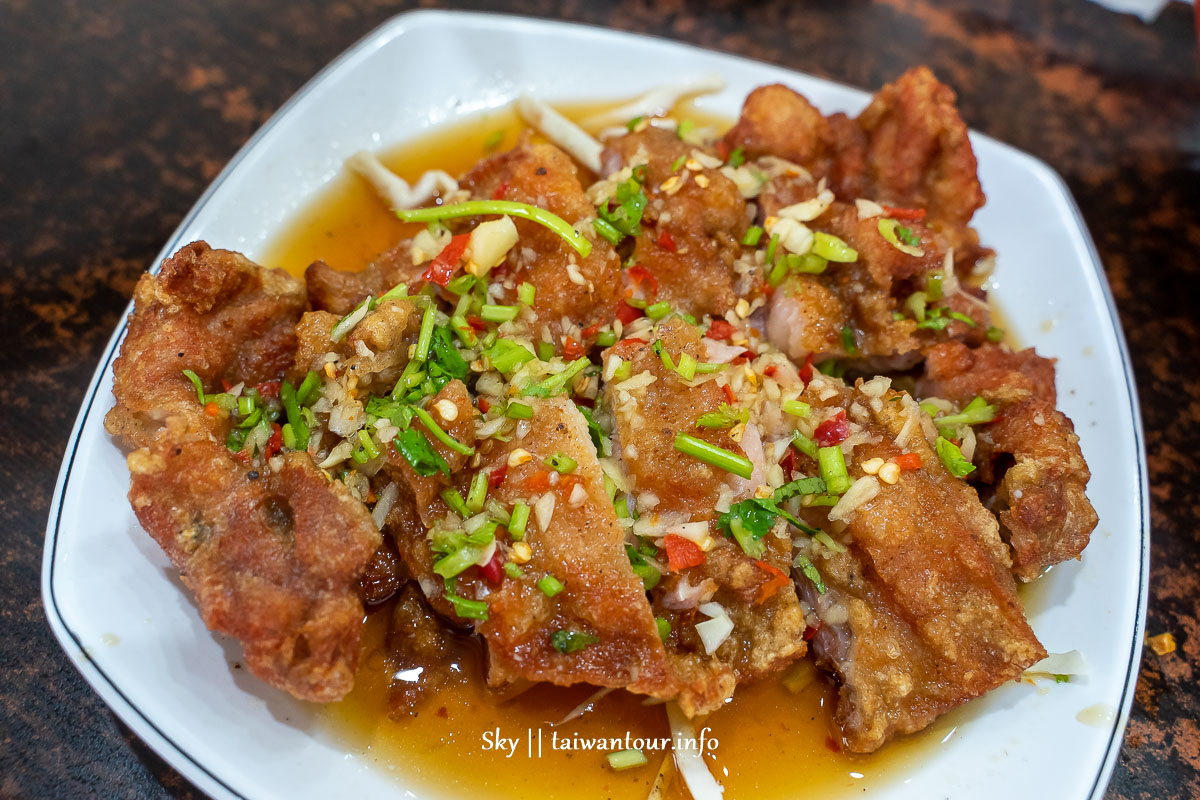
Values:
[(115, 115)]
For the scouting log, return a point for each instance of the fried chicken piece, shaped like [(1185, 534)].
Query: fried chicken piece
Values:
[(1040, 498), (599, 629), (214, 312), (545, 176), (692, 225), (274, 556), (767, 618), (921, 613)]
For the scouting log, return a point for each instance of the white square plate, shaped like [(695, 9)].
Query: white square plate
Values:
[(131, 628)]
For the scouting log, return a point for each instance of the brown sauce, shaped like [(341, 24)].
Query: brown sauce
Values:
[(771, 743)]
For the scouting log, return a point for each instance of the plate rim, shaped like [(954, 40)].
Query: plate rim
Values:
[(205, 778)]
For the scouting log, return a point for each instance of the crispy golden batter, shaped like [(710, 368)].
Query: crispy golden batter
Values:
[(545, 176), (1040, 498), (767, 624), (420, 655), (691, 232), (274, 559), (776, 121), (582, 546), (212, 311), (921, 613)]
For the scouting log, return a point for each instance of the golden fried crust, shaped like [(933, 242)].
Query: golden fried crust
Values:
[(545, 176), (777, 121), (274, 560), (583, 546), (1040, 499), (212, 311), (274, 556), (691, 232), (921, 614), (918, 154)]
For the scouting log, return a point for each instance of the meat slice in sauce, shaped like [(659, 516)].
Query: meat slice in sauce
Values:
[(274, 557), (677, 488), (584, 291), (599, 628), (420, 657), (692, 225), (1029, 454), (921, 613)]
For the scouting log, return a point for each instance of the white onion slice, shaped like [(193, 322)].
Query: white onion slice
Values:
[(394, 189), (1069, 663), (657, 101), (689, 759), (560, 130)]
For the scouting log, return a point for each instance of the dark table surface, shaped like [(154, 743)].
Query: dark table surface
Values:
[(114, 117)]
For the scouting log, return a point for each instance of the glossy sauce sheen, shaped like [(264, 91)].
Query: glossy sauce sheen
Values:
[(771, 743)]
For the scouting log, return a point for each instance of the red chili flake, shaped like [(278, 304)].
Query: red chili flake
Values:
[(665, 241), (811, 631), (211, 408), (720, 330), (484, 405), (722, 149), (833, 430), (500, 190), (776, 582), (729, 394), (771, 370), (908, 461), (806, 372), (442, 267), (242, 456), (269, 388), (497, 475), (788, 462), (275, 443), (627, 313), (631, 340), (493, 571), (643, 277), (590, 331), (538, 481), (916, 214), (476, 323), (226, 385), (746, 355), (572, 349), (682, 553)]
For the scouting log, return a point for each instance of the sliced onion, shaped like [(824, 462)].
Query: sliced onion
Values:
[(387, 498), (713, 632), (689, 759), (1068, 663), (560, 130), (719, 352), (656, 101), (394, 189)]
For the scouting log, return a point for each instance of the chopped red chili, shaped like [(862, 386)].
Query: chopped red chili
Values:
[(916, 214), (538, 481), (644, 278), (484, 405), (909, 461), (833, 430), (682, 553), (500, 190), (773, 584), (442, 267), (806, 372), (665, 241), (729, 396), (269, 388), (476, 322), (720, 330), (493, 571), (275, 443), (627, 313), (572, 349), (497, 475)]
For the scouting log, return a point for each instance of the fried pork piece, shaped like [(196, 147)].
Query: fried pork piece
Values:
[(420, 654), (274, 559), (855, 303), (212, 311), (599, 628), (693, 222), (582, 290), (673, 489), (1040, 498), (909, 148), (921, 613), (273, 556), (419, 507)]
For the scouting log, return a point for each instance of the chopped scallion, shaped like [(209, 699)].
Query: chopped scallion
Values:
[(518, 521), (832, 464), (526, 293), (716, 456), (561, 463), (753, 234), (477, 494), (796, 408), (830, 247), (495, 313), (550, 585), (515, 410), (475, 208), (626, 759), (440, 434), (195, 379)]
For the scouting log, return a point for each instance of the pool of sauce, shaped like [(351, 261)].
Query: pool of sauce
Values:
[(771, 743)]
